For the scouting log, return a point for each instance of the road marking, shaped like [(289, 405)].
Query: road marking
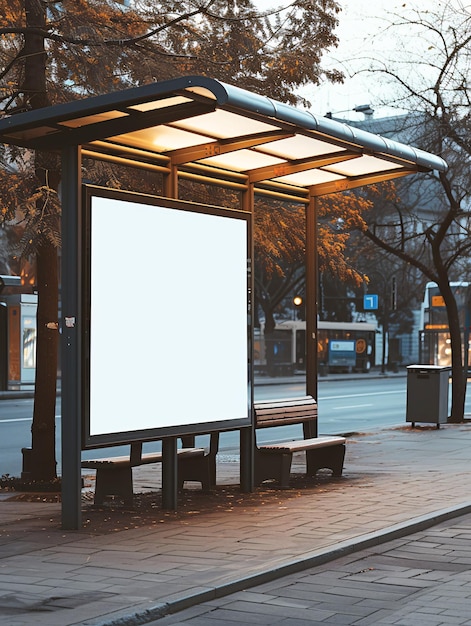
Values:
[(21, 419), (16, 419), (352, 406), (360, 395)]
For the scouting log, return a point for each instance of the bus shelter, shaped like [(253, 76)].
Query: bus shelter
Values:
[(199, 129)]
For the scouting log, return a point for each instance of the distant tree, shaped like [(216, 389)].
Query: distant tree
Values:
[(58, 50), (430, 226), (398, 284), (280, 247)]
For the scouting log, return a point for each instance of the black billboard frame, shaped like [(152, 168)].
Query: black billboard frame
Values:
[(90, 441)]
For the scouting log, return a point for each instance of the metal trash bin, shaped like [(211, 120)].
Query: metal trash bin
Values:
[(427, 394)]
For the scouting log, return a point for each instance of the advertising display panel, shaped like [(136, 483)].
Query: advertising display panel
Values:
[(166, 319), (342, 353)]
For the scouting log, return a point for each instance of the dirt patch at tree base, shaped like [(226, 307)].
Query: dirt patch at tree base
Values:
[(114, 515)]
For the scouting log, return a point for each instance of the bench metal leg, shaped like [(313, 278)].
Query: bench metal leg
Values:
[(285, 469), (276, 465), (273, 466), (198, 469), (169, 474), (325, 458), (113, 482), (247, 461)]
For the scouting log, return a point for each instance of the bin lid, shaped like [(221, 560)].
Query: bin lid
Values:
[(430, 368)]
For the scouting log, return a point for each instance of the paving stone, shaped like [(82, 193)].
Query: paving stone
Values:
[(390, 478)]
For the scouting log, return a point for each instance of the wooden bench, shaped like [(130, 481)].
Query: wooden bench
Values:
[(114, 474), (273, 461)]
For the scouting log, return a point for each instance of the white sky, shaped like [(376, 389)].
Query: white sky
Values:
[(360, 26), (362, 32)]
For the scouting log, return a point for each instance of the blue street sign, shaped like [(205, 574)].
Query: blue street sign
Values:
[(370, 302)]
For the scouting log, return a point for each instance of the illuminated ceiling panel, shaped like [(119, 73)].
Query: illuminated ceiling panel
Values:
[(300, 147), (242, 160), (308, 178), (93, 119), (363, 165), (224, 124), (159, 104), (161, 139)]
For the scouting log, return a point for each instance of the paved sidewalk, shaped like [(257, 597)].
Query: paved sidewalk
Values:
[(396, 482), (424, 579)]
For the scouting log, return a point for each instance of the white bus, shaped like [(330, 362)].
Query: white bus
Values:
[(341, 346)]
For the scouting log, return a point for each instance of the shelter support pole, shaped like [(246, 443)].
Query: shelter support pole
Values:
[(171, 183), (169, 474), (169, 444), (71, 339), (311, 300), (247, 435)]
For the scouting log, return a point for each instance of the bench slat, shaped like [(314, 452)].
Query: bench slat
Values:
[(271, 414), (281, 407), (280, 422), (287, 401), (113, 461), (292, 410), (277, 413), (304, 444), (146, 458)]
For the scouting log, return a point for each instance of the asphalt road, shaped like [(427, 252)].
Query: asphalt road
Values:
[(344, 406)]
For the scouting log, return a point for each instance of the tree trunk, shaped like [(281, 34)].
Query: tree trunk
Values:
[(43, 454), (42, 458), (458, 387), (269, 341), (269, 321)]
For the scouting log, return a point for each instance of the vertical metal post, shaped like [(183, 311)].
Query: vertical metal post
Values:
[(247, 445), (169, 474), (247, 435), (171, 182), (311, 300), (467, 322), (71, 337), (169, 444)]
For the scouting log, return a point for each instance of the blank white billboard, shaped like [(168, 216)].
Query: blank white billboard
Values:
[(168, 315)]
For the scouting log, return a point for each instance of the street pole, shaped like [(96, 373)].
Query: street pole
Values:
[(311, 300)]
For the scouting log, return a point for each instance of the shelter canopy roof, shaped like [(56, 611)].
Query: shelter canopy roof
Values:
[(219, 133)]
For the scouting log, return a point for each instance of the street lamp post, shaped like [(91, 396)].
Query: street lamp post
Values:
[(297, 301), (311, 300), (388, 295), (361, 108)]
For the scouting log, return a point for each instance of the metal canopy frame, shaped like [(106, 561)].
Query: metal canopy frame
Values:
[(200, 129), (210, 130)]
